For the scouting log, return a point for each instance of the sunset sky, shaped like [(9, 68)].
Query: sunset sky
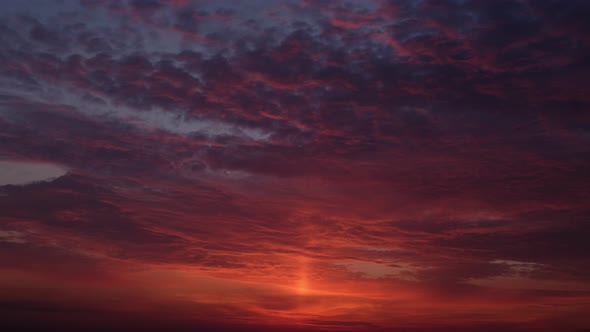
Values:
[(295, 165)]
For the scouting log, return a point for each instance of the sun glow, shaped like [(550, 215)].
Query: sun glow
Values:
[(303, 282)]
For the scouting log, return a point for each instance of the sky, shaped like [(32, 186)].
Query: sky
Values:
[(295, 165)]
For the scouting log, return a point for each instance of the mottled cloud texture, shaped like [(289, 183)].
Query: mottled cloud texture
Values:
[(296, 165)]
